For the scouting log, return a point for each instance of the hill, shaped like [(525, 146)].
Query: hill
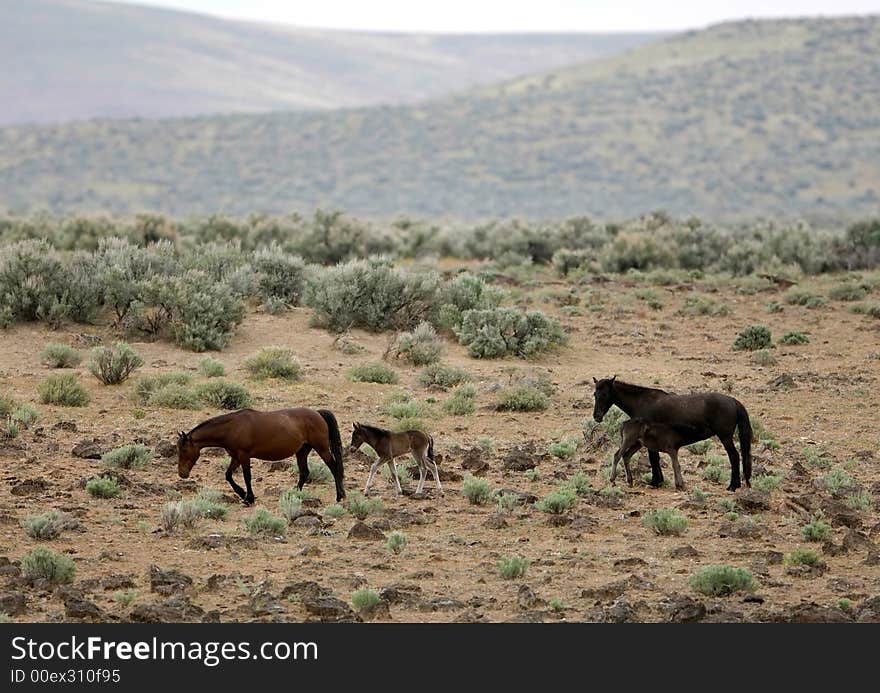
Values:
[(73, 59), (741, 119)]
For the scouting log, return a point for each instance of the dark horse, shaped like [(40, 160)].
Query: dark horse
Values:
[(269, 435), (710, 413)]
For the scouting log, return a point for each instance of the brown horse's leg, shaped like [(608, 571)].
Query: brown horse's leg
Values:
[(327, 456), (246, 470), (676, 470), (233, 465), (302, 462), (733, 456)]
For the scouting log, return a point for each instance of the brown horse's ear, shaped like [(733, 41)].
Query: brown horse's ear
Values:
[(595, 381)]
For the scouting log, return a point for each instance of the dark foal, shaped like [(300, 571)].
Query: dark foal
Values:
[(656, 437), (270, 435), (389, 445), (710, 413)]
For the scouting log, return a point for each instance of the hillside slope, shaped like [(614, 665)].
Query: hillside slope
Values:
[(742, 119), (72, 59)]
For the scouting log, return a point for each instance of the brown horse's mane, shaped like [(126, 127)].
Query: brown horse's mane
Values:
[(222, 418)]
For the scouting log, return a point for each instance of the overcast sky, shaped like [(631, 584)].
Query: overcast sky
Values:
[(512, 15)]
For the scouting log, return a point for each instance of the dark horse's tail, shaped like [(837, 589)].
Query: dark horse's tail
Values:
[(430, 448), (335, 450), (745, 440)]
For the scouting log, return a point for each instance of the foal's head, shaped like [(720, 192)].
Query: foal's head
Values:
[(604, 397), (187, 454), (358, 437)]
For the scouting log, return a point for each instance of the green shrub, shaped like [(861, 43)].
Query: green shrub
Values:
[(396, 542), (290, 505), (700, 448), (466, 292), (698, 495), (462, 402), (31, 282), (205, 312), (48, 525), (713, 472), (134, 456), (506, 501), (766, 482), (806, 557), (64, 390), (403, 406), (802, 297), (762, 357), (372, 373), (57, 355), (867, 308), (211, 368), (721, 580), (125, 597), (792, 338), (223, 394), (816, 530), (702, 305), (422, 346), (273, 362), (666, 521), (25, 415), (847, 292), (174, 396), (209, 504), (411, 424), (183, 513), (497, 332), (521, 398), (261, 521), (334, 511), (753, 338), (319, 473), (838, 480), (45, 564), (361, 507), (477, 491), (559, 501), (580, 482), (564, 449), (280, 276), (103, 487), (774, 307), (112, 365), (443, 376), (364, 598), (815, 457), (511, 567), (860, 500), (611, 492), (146, 385)]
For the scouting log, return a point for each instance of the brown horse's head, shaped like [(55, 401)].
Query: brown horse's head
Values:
[(187, 454), (358, 437), (604, 397)]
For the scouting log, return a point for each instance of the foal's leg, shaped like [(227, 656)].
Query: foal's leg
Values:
[(246, 470), (676, 470), (302, 462), (373, 469), (733, 456), (432, 465), (423, 472), (617, 456), (393, 467), (233, 465), (656, 471)]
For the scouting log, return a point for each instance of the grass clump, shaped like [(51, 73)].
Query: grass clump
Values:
[(372, 373), (847, 292), (146, 385), (763, 357), (564, 449), (838, 479), (48, 525), (580, 483), (334, 511), (361, 507), (752, 338), (114, 364), (264, 523), (721, 580), (411, 424), (803, 297), (223, 394), (698, 495), (290, 505), (64, 390), (559, 501), (179, 513), (422, 346), (125, 597), (703, 305), (209, 504), (860, 500), (134, 456), (700, 448), (439, 375), (211, 368), (815, 457), (403, 406), (175, 397), (45, 564), (806, 557), (794, 338), (319, 473), (273, 362), (511, 567), (396, 542), (476, 490), (463, 401), (666, 522), (103, 487), (364, 598), (816, 530), (56, 355), (766, 482), (522, 398)]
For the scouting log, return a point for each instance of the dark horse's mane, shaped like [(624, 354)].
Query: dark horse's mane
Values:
[(640, 388), (374, 429), (222, 418)]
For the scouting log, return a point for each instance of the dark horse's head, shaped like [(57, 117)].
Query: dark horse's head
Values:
[(187, 454), (604, 397), (358, 437)]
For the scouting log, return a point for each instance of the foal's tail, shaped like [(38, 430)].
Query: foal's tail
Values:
[(745, 440), (430, 448), (335, 444)]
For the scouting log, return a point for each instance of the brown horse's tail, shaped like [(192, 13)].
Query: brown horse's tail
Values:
[(335, 449), (745, 440), (431, 448)]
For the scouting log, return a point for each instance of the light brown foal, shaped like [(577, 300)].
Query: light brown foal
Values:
[(389, 445)]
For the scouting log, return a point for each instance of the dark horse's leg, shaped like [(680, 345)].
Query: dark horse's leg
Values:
[(656, 472), (246, 470), (302, 461), (233, 465), (733, 455)]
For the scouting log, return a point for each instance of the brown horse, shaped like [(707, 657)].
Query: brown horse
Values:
[(657, 437), (269, 435), (389, 445)]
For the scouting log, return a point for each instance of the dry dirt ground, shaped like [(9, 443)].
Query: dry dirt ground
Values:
[(599, 563)]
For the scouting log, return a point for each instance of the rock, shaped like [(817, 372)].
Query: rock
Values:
[(555, 520), (307, 522), (363, 531), (401, 593), (165, 449), (264, 603), (857, 541), (812, 613), (520, 460), (619, 612), (869, 611), (527, 599), (872, 559), (441, 604), (330, 610), (686, 551), (584, 523), (613, 590), (474, 462), (741, 528), (686, 610), (495, 521), (629, 562), (9, 568), (117, 582), (168, 581), (29, 487), (376, 612), (76, 606), (753, 500), (177, 609), (797, 472), (13, 603), (89, 449), (782, 382), (840, 515), (307, 589), (520, 497), (65, 426), (278, 466)]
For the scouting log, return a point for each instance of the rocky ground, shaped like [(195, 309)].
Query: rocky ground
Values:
[(597, 562)]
